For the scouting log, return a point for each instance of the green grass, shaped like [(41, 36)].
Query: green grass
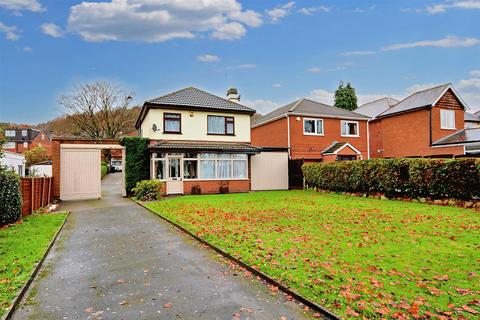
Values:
[(22, 245), (356, 256)]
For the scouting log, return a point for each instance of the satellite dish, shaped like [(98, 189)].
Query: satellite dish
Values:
[(154, 127)]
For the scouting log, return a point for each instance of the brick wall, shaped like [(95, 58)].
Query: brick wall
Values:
[(213, 186), (272, 134), (36, 193)]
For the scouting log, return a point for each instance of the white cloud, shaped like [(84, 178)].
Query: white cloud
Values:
[(160, 20), (312, 10), (51, 29), (363, 10), (357, 53), (276, 85), (27, 49), (460, 4), (470, 91), (280, 12), (208, 58), (11, 32), (260, 105), (314, 70), (247, 66), (17, 5), (475, 73), (448, 42)]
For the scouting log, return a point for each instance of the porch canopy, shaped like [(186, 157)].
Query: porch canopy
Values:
[(202, 146)]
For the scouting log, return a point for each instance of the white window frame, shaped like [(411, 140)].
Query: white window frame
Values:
[(9, 145), (10, 133), (24, 133), (442, 115), (343, 123), (25, 144), (315, 127)]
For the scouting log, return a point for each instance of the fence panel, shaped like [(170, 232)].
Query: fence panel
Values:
[(36, 193)]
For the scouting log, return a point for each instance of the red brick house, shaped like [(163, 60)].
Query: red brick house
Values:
[(20, 140), (313, 131), (415, 126)]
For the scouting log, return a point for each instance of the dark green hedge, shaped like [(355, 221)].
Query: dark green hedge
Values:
[(10, 197), (137, 161), (103, 169), (413, 178)]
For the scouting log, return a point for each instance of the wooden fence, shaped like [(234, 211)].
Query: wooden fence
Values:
[(36, 193)]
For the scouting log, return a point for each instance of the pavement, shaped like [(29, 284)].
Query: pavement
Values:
[(116, 260)]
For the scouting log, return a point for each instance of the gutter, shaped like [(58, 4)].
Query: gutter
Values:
[(288, 136), (368, 140)]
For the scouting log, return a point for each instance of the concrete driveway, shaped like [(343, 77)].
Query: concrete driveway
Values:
[(116, 260)]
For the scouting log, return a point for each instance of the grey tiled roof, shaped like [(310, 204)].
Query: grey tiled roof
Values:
[(465, 136), (334, 147), (472, 117), (196, 98), (308, 107), (374, 108), (417, 100), (205, 146)]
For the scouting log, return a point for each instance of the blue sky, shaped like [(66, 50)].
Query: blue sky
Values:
[(272, 51)]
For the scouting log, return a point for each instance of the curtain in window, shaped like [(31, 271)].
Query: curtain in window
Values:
[(239, 169), (319, 126), (207, 169), (447, 119), (172, 125), (190, 169), (216, 124), (309, 126), (224, 169), (160, 167)]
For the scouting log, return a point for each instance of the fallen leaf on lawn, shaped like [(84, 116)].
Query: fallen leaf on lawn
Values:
[(441, 277), (289, 298), (5, 280), (167, 305), (317, 315), (352, 313), (463, 291), (451, 305), (468, 309)]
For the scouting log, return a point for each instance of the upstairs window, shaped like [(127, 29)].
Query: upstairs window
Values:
[(9, 145), (221, 125), (349, 128), (24, 133), (313, 127), (447, 119), (10, 133), (172, 123)]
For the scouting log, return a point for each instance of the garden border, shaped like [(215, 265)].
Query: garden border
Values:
[(16, 301), (316, 307)]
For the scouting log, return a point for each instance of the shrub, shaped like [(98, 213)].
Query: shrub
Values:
[(148, 190), (103, 169), (436, 178), (137, 161), (10, 197)]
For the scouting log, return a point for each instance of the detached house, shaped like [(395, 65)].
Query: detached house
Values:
[(314, 131), (20, 140), (200, 143), (417, 125)]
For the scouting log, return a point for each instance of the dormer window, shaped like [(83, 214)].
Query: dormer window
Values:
[(24, 133), (172, 123)]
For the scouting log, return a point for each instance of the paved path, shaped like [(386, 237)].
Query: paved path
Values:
[(116, 260)]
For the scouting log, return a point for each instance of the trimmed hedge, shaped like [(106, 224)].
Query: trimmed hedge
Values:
[(413, 178), (103, 169), (10, 197), (148, 190), (137, 161)]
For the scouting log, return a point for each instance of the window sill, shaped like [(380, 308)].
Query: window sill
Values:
[(350, 136), (221, 134), (171, 132), (448, 128), (313, 134)]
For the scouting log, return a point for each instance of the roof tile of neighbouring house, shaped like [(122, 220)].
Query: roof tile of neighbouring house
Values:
[(472, 117), (469, 135), (196, 98), (308, 107), (205, 146), (374, 108), (417, 100), (333, 147)]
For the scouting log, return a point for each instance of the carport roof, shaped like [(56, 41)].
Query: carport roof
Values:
[(205, 146), (462, 137)]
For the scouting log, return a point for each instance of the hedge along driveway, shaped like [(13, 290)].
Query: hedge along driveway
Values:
[(356, 256)]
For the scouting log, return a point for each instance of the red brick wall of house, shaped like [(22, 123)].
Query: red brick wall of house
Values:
[(36, 193), (272, 134), (376, 146), (213, 186), (450, 102), (46, 143), (310, 147)]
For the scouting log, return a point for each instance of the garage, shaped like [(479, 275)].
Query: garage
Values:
[(269, 170), (76, 168)]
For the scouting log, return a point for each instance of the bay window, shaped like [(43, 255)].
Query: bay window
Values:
[(221, 125)]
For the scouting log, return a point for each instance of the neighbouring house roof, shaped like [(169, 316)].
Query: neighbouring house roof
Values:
[(462, 137), (43, 163), (472, 117), (336, 147), (421, 99), (306, 107), (224, 147), (374, 108), (192, 99)]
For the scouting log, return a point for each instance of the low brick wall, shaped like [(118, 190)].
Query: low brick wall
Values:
[(213, 186), (36, 193)]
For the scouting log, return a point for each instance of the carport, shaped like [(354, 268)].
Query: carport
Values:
[(76, 167)]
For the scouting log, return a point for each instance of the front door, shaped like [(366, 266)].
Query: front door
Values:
[(174, 179)]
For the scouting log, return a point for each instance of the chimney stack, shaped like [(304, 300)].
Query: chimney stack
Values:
[(232, 95)]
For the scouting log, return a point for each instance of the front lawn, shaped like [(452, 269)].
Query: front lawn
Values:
[(356, 256), (22, 245)]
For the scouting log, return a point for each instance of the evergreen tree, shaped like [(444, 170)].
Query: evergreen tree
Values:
[(345, 97)]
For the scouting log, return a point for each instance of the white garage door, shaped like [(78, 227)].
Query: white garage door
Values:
[(269, 171), (80, 174)]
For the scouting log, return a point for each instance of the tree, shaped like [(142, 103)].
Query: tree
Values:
[(36, 155), (3, 140), (345, 97), (99, 110)]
